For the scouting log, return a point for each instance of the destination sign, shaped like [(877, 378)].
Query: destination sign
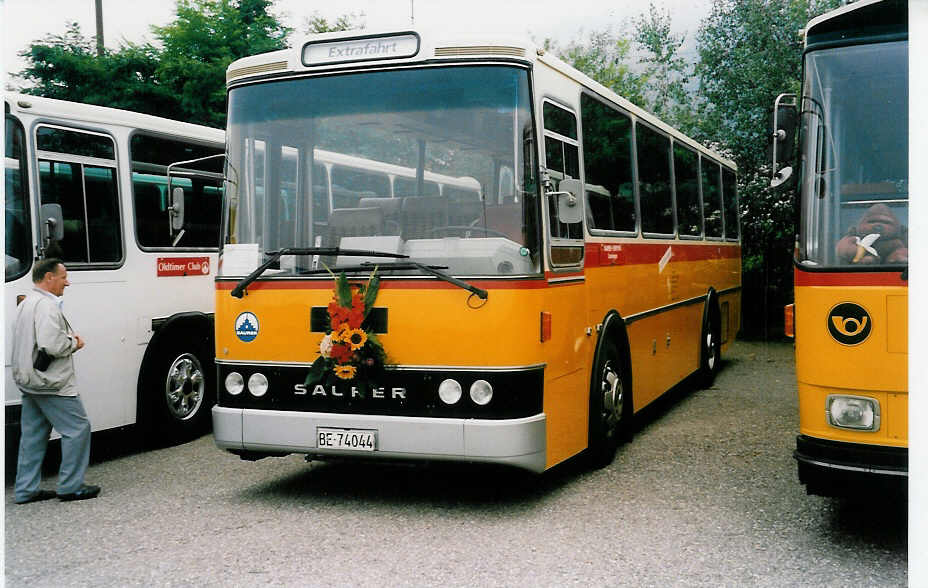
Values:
[(361, 49)]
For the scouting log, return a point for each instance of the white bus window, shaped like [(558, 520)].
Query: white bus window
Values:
[(77, 170), (18, 247), (562, 158), (202, 194)]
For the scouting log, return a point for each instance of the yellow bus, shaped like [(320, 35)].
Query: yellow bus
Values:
[(851, 268), (523, 323)]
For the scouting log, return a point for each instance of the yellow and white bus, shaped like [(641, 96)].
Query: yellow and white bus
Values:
[(597, 267), (850, 313), (141, 254)]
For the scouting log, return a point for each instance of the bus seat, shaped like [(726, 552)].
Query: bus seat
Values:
[(506, 220), (352, 222), (418, 216), (463, 213), (391, 212)]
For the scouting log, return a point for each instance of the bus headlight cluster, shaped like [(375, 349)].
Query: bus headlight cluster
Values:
[(257, 384), (450, 392), (853, 412)]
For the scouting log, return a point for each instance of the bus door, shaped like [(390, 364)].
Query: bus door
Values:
[(570, 348), (18, 239), (78, 176)]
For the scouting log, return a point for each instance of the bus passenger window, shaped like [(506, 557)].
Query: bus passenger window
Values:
[(711, 198), (607, 160), (200, 181), (730, 198), (686, 175), (654, 181)]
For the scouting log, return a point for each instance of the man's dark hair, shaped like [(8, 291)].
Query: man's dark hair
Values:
[(48, 265)]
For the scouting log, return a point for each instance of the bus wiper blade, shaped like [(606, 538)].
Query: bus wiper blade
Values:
[(434, 270), (239, 289)]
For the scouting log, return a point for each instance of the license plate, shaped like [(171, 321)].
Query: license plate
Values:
[(350, 439)]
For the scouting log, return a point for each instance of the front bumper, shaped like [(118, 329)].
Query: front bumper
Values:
[(832, 468), (518, 442)]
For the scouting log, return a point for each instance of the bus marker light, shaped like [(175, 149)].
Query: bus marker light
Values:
[(481, 392), (853, 412), (789, 320), (257, 384), (235, 383), (449, 391), (545, 326)]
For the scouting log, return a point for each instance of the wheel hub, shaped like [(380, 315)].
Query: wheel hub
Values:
[(613, 395), (185, 386)]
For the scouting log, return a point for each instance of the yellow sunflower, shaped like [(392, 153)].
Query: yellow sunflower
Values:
[(356, 338), (345, 372), (340, 335)]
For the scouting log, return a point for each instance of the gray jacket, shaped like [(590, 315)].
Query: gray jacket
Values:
[(41, 324)]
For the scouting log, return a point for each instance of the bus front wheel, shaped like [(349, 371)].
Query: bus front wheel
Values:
[(180, 392), (610, 406)]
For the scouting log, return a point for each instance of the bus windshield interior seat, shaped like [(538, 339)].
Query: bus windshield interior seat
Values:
[(420, 216)]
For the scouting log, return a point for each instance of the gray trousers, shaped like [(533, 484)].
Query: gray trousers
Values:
[(66, 414)]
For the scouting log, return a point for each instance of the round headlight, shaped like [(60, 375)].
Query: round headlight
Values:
[(235, 383), (257, 384), (449, 391), (481, 392)]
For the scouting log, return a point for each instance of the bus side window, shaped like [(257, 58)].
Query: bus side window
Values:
[(730, 198), (711, 197), (686, 176), (654, 181), (202, 196), (607, 160), (562, 159), (78, 171)]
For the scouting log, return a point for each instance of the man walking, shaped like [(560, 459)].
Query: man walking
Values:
[(43, 368)]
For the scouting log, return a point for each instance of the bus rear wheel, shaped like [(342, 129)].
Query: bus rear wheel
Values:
[(180, 393), (710, 354), (610, 407)]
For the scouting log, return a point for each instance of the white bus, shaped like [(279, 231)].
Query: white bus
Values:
[(91, 185)]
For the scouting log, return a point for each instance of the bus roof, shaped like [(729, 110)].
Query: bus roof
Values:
[(864, 18), (89, 113), (423, 46)]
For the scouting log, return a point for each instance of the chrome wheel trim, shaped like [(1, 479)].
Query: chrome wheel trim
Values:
[(711, 345), (613, 395), (185, 386)]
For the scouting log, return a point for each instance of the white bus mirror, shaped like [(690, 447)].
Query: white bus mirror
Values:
[(569, 208), (176, 210), (52, 222)]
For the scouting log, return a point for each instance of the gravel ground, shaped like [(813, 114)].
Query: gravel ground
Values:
[(705, 495)]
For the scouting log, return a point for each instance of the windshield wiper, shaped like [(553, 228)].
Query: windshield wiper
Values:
[(434, 270), (239, 289)]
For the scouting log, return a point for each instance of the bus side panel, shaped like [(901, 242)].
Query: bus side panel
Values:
[(877, 367)]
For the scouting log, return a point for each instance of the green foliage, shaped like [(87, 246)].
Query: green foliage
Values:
[(604, 56), (666, 73), (318, 24)]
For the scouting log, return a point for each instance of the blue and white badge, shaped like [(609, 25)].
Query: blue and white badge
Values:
[(246, 327)]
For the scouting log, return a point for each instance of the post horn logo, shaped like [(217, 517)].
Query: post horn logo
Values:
[(849, 323)]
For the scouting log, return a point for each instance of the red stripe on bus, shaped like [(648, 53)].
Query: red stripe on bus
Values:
[(606, 254), (801, 278)]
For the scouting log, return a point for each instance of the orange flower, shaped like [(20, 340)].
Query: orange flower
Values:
[(345, 372)]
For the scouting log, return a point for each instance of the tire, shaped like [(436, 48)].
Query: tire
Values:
[(710, 346), (610, 406), (180, 392)]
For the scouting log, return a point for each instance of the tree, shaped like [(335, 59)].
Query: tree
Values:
[(749, 52), (604, 56), (204, 39), (346, 22), (666, 73)]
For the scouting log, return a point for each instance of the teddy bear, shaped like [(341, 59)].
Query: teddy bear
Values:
[(879, 237)]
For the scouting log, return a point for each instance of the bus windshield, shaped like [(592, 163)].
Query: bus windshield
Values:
[(18, 247), (434, 163), (854, 179)]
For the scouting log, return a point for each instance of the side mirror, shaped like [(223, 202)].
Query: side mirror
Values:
[(781, 138), (52, 222), (176, 210), (569, 208)]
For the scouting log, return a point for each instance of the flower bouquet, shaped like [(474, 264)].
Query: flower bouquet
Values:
[(349, 352)]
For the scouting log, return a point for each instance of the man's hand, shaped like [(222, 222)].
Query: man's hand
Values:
[(80, 342)]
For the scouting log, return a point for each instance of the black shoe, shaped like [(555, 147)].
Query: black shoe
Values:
[(38, 497), (85, 492)]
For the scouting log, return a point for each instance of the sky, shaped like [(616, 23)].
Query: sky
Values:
[(25, 21)]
